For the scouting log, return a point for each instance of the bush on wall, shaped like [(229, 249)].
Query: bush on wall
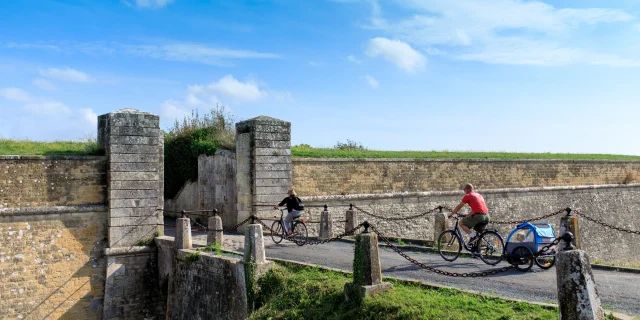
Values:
[(195, 135)]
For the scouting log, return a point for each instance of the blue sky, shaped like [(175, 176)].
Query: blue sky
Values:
[(495, 75)]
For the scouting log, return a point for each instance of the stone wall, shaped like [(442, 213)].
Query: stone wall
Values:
[(317, 176), (51, 262), (208, 287), (614, 204), (32, 181), (185, 199)]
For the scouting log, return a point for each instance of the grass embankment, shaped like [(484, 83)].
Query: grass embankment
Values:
[(337, 153), (292, 292), (27, 147)]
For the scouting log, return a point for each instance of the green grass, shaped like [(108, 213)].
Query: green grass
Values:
[(292, 292), (214, 247), (298, 151), (27, 147)]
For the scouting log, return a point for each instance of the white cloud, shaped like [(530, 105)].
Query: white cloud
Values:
[(371, 81), (15, 94), (354, 59), (397, 52), (188, 52), (47, 108), (89, 116), (66, 74), (490, 31), (183, 52), (43, 84), (149, 4), (230, 88)]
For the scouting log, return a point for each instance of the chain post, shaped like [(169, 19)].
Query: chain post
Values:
[(326, 208), (350, 206), (215, 212), (366, 225), (440, 209), (568, 210), (253, 219), (182, 213)]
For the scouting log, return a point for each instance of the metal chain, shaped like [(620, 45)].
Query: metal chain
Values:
[(606, 224), (438, 271), (531, 219), (398, 218), (350, 232), (547, 247), (218, 230)]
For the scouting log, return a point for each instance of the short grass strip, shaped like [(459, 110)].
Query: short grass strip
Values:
[(27, 147), (337, 153), (295, 292)]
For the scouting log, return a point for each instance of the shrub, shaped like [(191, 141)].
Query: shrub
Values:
[(190, 138), (349, 145)]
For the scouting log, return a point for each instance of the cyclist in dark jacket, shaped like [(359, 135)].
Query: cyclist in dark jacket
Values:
[(292, 203)]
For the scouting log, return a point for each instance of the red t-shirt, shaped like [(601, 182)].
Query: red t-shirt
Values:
[(476, 202)]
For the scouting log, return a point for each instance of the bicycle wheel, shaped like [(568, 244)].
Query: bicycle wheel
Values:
[(522, 258), (300, 235), (545, 261), (276, 231), (449, 245), (491, 247)]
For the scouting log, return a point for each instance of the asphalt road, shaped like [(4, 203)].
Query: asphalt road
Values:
[(619, 291)]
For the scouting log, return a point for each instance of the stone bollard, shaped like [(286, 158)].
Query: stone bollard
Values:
[(577, 294), (367, 274), (183, 233), (215, 235), (254, 262), (569, 223), (439, 224), (351, 219), (326, 225)]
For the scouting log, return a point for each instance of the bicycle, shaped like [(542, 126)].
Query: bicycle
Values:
[(299, 233), (489, 245)]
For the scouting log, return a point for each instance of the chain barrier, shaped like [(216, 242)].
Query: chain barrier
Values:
[(217, 230), (438, 271), (606, 224), (531, 219), (398, 218), (307, 243)]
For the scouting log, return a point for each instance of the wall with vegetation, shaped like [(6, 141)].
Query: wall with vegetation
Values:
[(322, 176)]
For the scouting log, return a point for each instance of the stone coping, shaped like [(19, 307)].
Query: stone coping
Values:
[(133, 250), (51, 157), (30, 211), (425, 194), (590, 161)]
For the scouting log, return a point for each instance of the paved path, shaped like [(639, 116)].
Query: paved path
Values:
[(618, 291)]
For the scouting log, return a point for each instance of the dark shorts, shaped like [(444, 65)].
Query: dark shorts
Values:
[(473, 219)]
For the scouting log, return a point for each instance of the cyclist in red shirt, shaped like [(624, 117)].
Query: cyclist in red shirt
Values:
[(479, 212)]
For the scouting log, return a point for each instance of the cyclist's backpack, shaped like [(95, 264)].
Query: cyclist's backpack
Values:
[(299, 205)]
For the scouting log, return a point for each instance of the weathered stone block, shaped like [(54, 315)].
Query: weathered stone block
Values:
[(274, 129), (272, 182), (133, 194), (183, 233), (133, 185), (135, 140), (273, 175), (254, 244), (272, 167), (272, 152), (272, 144), (215, 234), (275, 190), (133, 212), (273, 159), (326, 226), (133, 203), (268, 199), (133, 157), (126, 236), (134, 167), (134, 221), (272, 136), (133, 176), (133, 131)]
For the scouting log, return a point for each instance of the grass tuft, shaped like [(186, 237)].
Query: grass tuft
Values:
[(67, 148)]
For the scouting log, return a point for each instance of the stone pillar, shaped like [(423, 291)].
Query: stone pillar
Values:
[(351, 219), (326, 225), (367, 275), (213, 235), (254, 244), (569, 223), (439, 224), (133, 143), (183, 234), (577, 294), (263, 165)]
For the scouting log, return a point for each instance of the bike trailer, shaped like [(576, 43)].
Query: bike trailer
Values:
[(531, 235)]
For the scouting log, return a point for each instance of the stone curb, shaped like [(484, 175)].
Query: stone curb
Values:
[(133, 250), (614, 268)]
